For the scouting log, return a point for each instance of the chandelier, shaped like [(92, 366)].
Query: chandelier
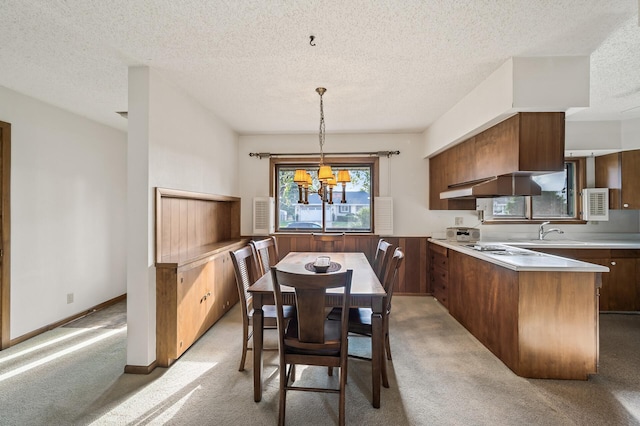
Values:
[(327, 180)]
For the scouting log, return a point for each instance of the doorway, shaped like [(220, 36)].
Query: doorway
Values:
[(5, 234)]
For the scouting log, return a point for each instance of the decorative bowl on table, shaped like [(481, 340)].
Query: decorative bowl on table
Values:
[(322, 263)]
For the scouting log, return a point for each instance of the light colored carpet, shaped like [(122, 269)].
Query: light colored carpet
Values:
[(440, 375)]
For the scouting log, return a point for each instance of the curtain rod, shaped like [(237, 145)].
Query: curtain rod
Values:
[(261, 155)]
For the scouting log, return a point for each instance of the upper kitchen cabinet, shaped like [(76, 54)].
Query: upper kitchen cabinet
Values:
[(620, 173), (525, 144), (529, 142), (442, 168)]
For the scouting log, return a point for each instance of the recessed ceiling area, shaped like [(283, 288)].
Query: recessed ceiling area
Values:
[(388, 66)]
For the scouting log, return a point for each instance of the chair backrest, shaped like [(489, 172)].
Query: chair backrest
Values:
[(310, 293), (245, 268), (267, 253), (381, 260), (392, 276), (328, 242)]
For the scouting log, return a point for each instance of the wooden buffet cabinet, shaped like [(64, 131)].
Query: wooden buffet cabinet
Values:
[(195, 282)]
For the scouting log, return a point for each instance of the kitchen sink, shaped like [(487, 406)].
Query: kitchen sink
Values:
[(501, 250), (516, 253)]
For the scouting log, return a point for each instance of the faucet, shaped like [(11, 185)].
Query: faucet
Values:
[(542, 232)]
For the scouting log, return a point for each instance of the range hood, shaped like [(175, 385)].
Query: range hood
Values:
[(498, 186)]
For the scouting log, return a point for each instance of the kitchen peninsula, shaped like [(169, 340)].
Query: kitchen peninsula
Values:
[(537, 313)]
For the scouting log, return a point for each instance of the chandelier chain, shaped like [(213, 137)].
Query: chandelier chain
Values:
[(321, 135)]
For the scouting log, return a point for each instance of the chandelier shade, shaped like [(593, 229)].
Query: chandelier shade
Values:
[(325, 172), (344, 176)]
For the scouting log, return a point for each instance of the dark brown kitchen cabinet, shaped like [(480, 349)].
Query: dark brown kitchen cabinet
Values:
[(442, 169), (439, 273), (541, 324), (526, 143), (620, 173), (620, 289)]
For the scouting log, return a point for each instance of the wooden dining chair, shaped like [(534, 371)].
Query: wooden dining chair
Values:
[(328, 242), (266, 253), (360, 318), (310, 338), (245, 266), (381, 259)]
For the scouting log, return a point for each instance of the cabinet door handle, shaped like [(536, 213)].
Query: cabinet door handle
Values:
[(613, 263), (625, 205), (205, 297)]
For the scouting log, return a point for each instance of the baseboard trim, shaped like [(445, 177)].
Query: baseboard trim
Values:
[(140, 369), (62, 322)]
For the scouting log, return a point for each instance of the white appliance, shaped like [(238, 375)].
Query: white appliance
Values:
[(461, 234)]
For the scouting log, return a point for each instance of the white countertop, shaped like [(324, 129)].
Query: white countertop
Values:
[(595, 244), (515, 258)]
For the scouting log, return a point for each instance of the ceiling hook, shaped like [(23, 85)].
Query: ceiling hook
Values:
[(311, 38)]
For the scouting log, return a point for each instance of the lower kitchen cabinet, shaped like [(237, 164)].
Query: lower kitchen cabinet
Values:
[(541, 324), (621, 285), (439, 273)]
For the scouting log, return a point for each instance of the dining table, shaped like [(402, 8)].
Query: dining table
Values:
[(366, 291)]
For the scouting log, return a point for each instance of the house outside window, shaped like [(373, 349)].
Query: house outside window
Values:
[(354, 216)]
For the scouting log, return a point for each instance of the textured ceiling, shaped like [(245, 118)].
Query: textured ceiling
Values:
[(388, 65)]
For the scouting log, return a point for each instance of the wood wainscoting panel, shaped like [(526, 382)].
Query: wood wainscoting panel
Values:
[(413, 274)]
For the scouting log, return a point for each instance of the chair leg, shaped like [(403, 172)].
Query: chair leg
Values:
[(343, 383), (385, 329), (284, 382), (383, 372), (245, 339), (387, 346)]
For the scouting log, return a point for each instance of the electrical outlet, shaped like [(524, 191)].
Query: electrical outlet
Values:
[(459, 221), (69, 298)]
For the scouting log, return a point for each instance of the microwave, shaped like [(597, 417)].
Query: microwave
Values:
[(463, 234)]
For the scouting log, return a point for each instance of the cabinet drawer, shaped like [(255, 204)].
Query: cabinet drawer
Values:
[(440, 275), (437, 249), (439, 261), (441, 294)]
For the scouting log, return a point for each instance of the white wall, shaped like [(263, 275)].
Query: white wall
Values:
[(174, 143), (68, 198), (631, 134), (554, 83)]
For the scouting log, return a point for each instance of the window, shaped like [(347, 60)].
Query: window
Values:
[(318, 216), (558, 201)]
